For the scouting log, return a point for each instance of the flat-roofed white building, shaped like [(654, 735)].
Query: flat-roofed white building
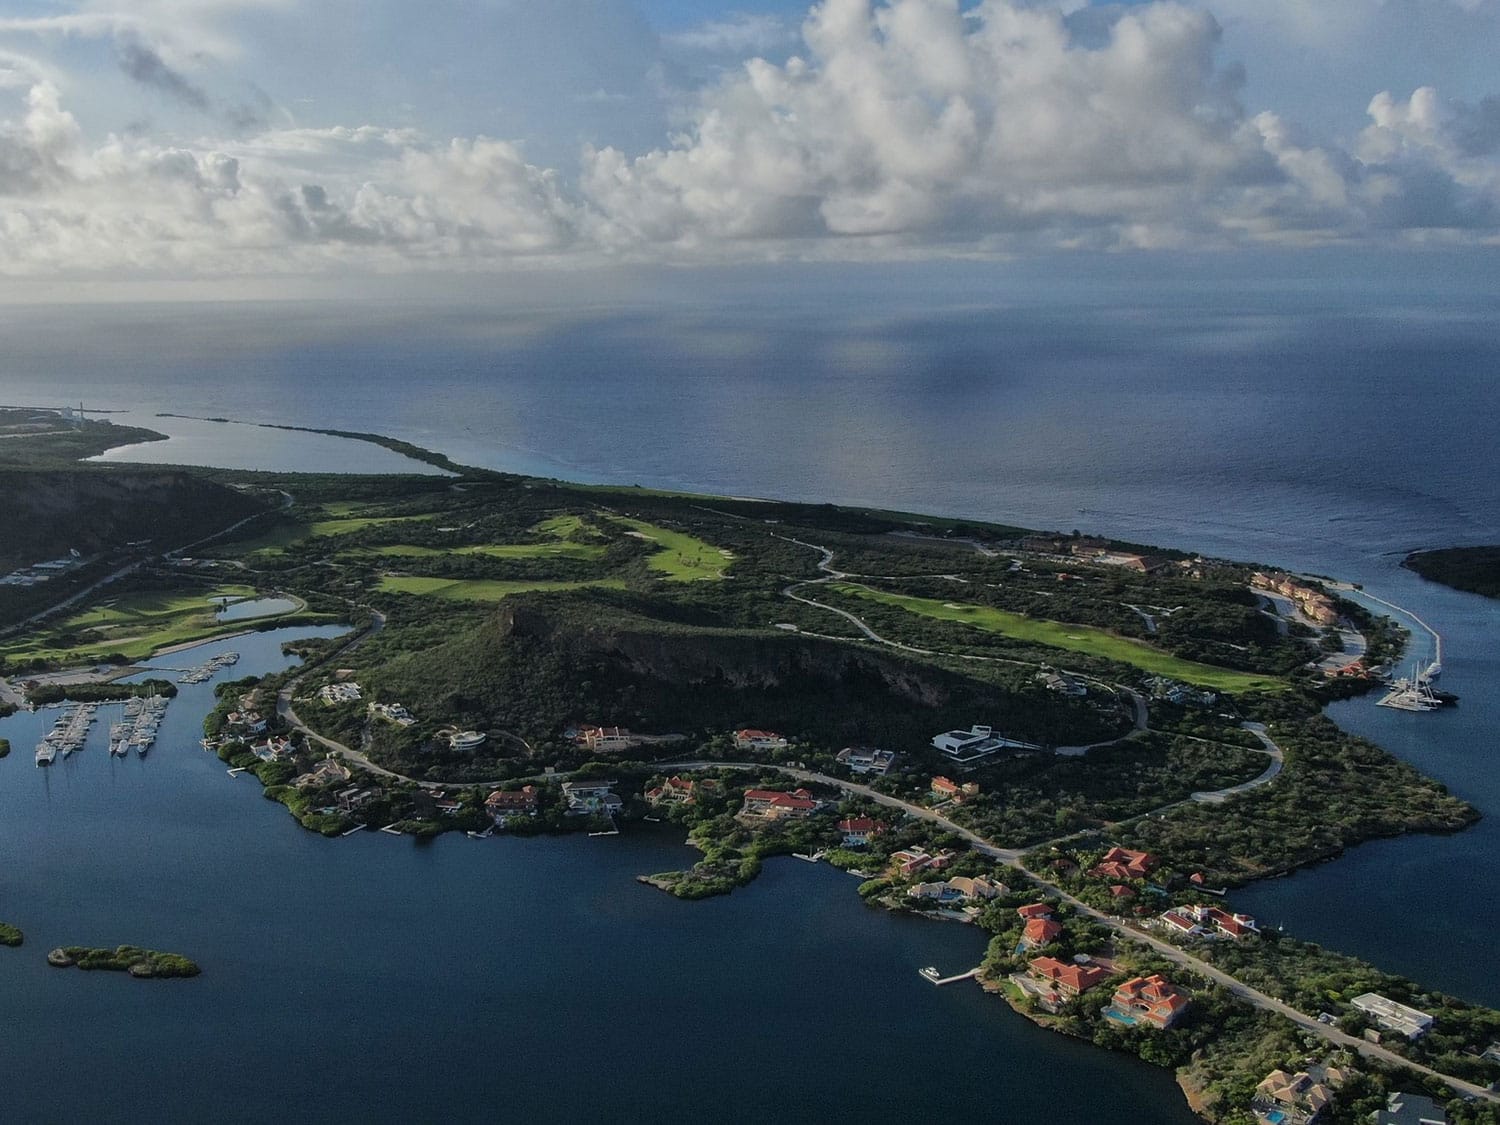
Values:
[(1393, 1016)]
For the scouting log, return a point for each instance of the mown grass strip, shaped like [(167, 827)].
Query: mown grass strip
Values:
[(1084, 639)]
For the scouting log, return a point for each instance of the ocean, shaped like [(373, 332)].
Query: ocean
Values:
[(1330, 431)]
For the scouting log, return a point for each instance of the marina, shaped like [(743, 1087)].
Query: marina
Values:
[(203, 672), (138, 731), (1416, 693), (68, 733)]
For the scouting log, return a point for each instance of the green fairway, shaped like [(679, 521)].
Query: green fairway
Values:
[(480, 589), (680, 557), (1075, 638), (359, 523), (565, 527), (134, 625)]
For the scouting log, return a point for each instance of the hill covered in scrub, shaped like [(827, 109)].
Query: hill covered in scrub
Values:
[(540, 663), (1473, 569)]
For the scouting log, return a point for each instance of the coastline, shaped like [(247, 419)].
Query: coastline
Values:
[(195, 643)]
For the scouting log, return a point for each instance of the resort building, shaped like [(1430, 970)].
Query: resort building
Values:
[(771, 804), (1149, 1002), (864, 759), (464, 740), (857, 830), (975, 743), (750, 739), (1410, 1109), (1120, 864), (948, 790), (505, 803), (1393, 1016)]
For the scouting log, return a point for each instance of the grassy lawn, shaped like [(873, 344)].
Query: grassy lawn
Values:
[(565, 527), (1074, 638), (479, 589), (680, 557), (135, 625)]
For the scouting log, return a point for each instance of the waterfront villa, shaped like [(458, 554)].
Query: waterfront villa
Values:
[(673, 791), (503, 804), (771, 804), (329, 771), (1038, 932), (272, 749), (1120, 864), (960, 888), (864, 759), (1068, 979), (909, 861), (857, 830), (355, 797), (976, 742), (751, 739), (247, 722), (947, 790), (1392, 1016), (584, 797), (1198, 921), (1148, 1002)]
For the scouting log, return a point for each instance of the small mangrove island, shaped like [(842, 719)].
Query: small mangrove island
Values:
[(10, 935), (132, 959)]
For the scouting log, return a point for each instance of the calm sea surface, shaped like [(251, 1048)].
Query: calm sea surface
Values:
[(1326, 434)]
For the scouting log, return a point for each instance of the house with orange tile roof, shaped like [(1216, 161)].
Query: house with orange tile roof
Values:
[(1149, 1002), (772, 804), (673, 791), (748, 738), (1035, 910), (1069, 979), (946, 789), (1038, 932), (1121, 864)]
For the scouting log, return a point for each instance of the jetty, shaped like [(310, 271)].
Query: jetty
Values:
[(203, 672), (68, 733), (931, 974)]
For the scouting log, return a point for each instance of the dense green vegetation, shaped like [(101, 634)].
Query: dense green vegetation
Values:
[(4, 747), (99, 693), (1475, 569), (132, 959), (10, 935)]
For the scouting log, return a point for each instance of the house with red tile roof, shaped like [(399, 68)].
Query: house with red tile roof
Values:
[(1150, 1002), (505, 803), (1035, 910), (748, 738), (1197, 921), (1069, 979), (771, 804), (1038, 932), (1121, 864)]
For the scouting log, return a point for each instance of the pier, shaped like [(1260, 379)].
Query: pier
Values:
[(931, 974)]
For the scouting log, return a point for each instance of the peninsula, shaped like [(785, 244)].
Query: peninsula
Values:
[(1079, 745)]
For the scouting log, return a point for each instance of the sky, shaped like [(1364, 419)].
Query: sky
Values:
[(187, 140)]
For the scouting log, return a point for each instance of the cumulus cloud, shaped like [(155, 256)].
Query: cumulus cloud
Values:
[(897, 128)]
